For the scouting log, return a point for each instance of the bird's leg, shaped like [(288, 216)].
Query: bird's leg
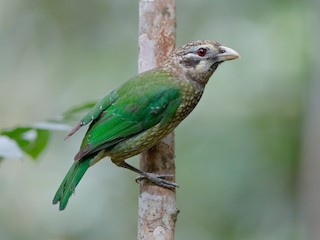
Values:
[(155, 178)]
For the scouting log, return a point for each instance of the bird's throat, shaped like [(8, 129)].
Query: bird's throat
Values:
[(214, 66)]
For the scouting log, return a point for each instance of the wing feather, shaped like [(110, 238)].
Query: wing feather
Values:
[(141, 103)]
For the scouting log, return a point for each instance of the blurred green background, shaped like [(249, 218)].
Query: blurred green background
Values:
[(240, 154)]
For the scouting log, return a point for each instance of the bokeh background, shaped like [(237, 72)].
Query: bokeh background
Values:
[(247, 157)]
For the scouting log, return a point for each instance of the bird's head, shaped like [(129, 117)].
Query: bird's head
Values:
[(198, 60)]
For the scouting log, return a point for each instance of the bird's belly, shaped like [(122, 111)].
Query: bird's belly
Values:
[(147, 139), (141, 142)]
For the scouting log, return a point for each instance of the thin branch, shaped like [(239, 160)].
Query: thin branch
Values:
[(157, 205)]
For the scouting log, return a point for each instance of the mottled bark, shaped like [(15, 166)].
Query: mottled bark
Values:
[(157, 205)]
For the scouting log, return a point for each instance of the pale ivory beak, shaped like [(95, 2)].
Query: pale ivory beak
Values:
[(226, 54)]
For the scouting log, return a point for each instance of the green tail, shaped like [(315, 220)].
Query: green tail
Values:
[(70, 182)]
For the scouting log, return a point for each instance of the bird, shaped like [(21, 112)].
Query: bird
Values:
[(141, 112)]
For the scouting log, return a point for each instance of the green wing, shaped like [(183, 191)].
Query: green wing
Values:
[(95, 112), (138, 105)]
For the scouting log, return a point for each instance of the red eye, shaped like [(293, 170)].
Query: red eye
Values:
[(202, 52)]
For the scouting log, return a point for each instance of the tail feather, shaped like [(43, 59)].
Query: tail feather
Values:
[(70, 182)]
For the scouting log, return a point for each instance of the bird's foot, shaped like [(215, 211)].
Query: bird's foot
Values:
[(158, 180)]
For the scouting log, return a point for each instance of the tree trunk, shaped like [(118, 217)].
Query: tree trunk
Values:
[(157, 205), (310, 165)]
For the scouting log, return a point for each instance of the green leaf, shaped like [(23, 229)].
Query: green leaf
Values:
[(74, 112), (31, 140)]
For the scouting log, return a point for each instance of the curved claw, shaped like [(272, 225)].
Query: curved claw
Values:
[(158, 180)]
